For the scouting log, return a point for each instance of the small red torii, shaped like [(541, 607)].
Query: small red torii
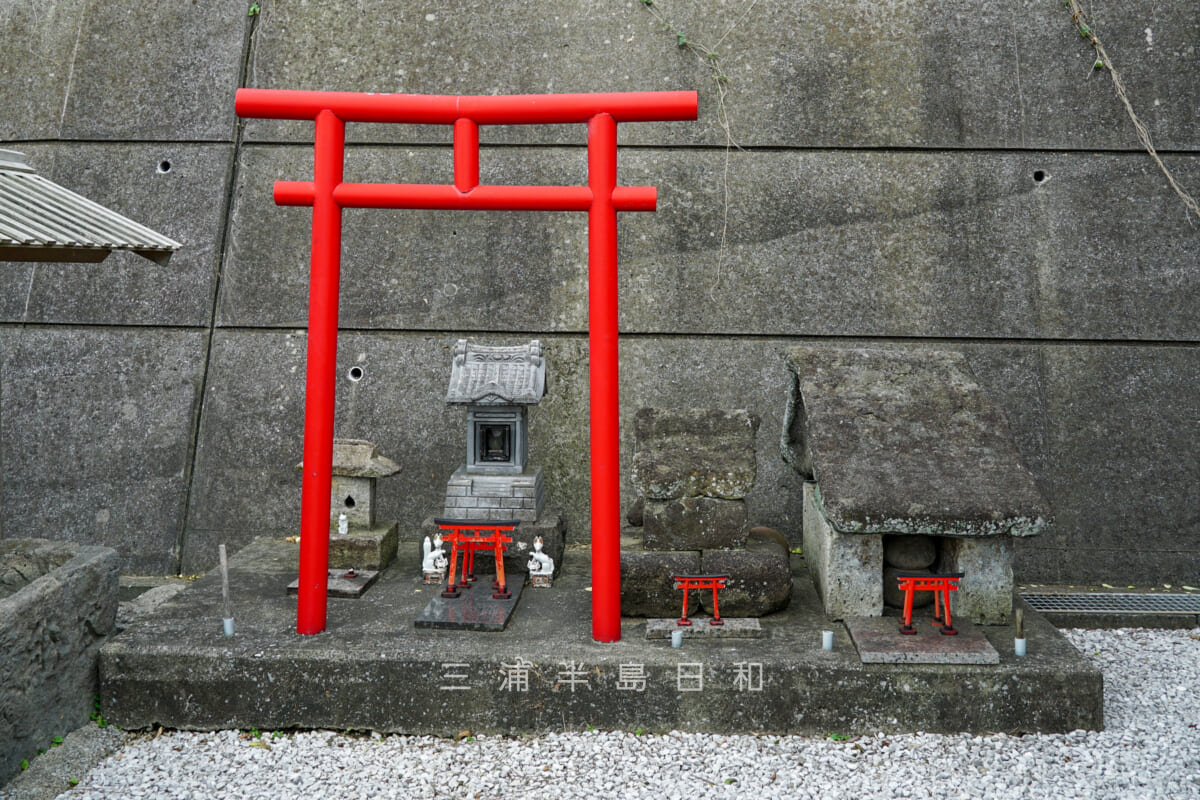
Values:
[(469, 536), (327, 194)]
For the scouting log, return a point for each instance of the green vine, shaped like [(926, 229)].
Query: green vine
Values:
[(1104, 62)]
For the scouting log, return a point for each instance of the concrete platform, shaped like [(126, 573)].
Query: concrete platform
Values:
[(373, 669)]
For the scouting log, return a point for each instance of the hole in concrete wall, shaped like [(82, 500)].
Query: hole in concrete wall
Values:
[(350, 502), (1040, 176), (164, 166), (355, 374)]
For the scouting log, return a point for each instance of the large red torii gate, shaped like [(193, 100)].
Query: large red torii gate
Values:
[(601, 198)]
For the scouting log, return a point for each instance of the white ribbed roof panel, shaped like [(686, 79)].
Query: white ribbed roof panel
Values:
[(37, 214)]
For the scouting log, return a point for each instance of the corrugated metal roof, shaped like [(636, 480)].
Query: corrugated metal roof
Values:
[(42, 221)]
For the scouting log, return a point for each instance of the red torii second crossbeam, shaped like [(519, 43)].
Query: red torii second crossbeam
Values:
[(328, 195)]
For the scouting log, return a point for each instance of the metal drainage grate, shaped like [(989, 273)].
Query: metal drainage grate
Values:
[(1093, 603)]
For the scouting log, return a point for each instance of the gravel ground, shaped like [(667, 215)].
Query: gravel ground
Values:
[(1151, 749)]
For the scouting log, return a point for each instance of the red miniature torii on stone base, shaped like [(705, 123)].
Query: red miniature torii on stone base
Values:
[(468, 536), (601, 198)]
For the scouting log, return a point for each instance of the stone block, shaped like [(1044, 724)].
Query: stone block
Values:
[(694, 523), (186, 203), (647, 589), (365, 549), (51, 629), (96, 430), (694, 453), (985, 594), (847, 569), (907, 441), (760, 579), (894, 598), (551, 526), (910, 552), (354, 497)]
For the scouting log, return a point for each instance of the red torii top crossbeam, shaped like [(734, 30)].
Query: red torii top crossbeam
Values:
[(328, 195)]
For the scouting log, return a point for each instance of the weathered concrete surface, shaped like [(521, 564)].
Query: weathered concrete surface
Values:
[(846, 569), (694, 523), (829, 74), (694, 452), (187, 203), (96, 430), (907, 441), (959, 245), (50, 635), (1109, 432), (374, 669), (80, 69)]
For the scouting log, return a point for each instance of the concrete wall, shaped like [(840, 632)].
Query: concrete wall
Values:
[(921, 174)]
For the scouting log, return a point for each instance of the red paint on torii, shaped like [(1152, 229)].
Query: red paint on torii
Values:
[(328, 195)]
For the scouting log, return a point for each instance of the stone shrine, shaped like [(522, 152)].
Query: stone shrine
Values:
[(498, 384), (361, 541), (692, 469), (909, 466)]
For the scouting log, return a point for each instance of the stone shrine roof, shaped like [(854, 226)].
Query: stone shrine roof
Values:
[(907, 441), (486, 375), (42, 221), (357, 458)]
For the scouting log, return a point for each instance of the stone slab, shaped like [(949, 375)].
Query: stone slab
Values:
[(187, 202), (343, 583), (879, 641), (96, 431), (838, 74), (53, 621), (551, 527), (375, 670), (734, 628), (694, 452), (474, 609), (908, 442)]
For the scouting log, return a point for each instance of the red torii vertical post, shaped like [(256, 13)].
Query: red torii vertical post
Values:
[(327, 194)]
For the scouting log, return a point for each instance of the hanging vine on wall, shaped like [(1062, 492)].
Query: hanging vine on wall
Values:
[(1104, 62), (711, 58)]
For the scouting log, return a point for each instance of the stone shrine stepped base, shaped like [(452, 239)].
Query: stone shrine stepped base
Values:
[(372, 669)]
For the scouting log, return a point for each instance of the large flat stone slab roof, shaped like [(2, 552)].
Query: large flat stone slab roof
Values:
[(907, 441)]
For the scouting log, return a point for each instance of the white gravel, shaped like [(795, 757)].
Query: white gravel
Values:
[(1151, 749)]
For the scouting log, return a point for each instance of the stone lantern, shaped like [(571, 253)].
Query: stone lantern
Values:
[(365, 543)]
